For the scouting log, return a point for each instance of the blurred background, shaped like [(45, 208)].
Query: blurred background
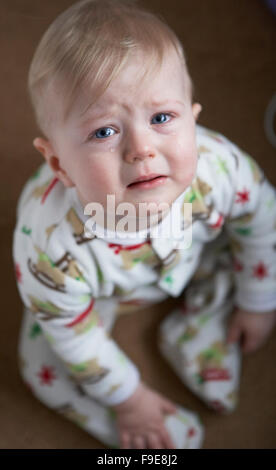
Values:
[(230, 48)]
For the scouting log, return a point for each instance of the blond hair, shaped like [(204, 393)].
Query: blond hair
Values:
[(88, 45)]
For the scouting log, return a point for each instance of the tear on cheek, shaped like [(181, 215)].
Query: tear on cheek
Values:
[(188, 169)]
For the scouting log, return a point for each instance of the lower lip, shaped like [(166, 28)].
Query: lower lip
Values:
[(149, 184)]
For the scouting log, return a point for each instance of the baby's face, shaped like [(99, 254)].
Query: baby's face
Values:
[(134, 130)]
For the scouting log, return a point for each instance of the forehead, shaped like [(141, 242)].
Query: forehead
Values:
[(140, 80), (142, 72)]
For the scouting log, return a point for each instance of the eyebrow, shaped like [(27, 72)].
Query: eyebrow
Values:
[(96, 115)]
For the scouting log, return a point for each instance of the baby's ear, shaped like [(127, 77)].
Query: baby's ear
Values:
[(196, 108), (45, 148)]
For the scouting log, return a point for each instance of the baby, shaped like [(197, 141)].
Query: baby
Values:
[(102, 76)]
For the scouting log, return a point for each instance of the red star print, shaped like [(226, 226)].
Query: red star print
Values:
[(191, 432), (260, 271), (242, 196), (18, 273), (237, 265), (46, 375)]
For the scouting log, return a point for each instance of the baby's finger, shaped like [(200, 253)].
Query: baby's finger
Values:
[(125, 441), (154, 441), (168, 407), (139, 442), (166, 439)]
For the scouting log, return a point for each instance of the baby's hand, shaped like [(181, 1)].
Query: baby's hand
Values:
[(140, 420), (250, 328)]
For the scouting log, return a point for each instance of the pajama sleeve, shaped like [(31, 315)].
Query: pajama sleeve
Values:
[(62, 292), (240, 197)]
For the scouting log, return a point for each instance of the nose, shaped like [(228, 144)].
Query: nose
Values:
[(138, 146)]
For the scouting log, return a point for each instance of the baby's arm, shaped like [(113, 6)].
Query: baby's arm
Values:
[(97, 365), (253, 234), (92, 358), (250, 329), (251, 226), (245, 202), (64, 306)]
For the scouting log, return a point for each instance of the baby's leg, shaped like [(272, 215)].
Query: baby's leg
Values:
[(193, 337), (45, 376)]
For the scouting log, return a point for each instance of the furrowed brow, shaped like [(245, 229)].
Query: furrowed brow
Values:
[(90, 113)]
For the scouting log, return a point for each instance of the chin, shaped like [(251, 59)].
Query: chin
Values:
[(155, 201)]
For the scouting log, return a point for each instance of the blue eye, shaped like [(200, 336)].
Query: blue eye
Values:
[(103, 134), (161, 114), (100, 133)]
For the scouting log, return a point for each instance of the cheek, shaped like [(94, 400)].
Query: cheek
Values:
[(185, 159), (98, 177)]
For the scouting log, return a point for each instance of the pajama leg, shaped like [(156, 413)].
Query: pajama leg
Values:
[(193, 337), (45, 376)]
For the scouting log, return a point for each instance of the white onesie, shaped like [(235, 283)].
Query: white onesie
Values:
[(73, 284)]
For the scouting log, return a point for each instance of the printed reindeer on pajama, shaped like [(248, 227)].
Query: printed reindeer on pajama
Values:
[(74, 286)]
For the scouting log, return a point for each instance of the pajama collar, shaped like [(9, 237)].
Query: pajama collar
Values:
[(160, 235)]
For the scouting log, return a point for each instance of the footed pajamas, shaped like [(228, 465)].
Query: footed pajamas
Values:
[(74, 284)]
